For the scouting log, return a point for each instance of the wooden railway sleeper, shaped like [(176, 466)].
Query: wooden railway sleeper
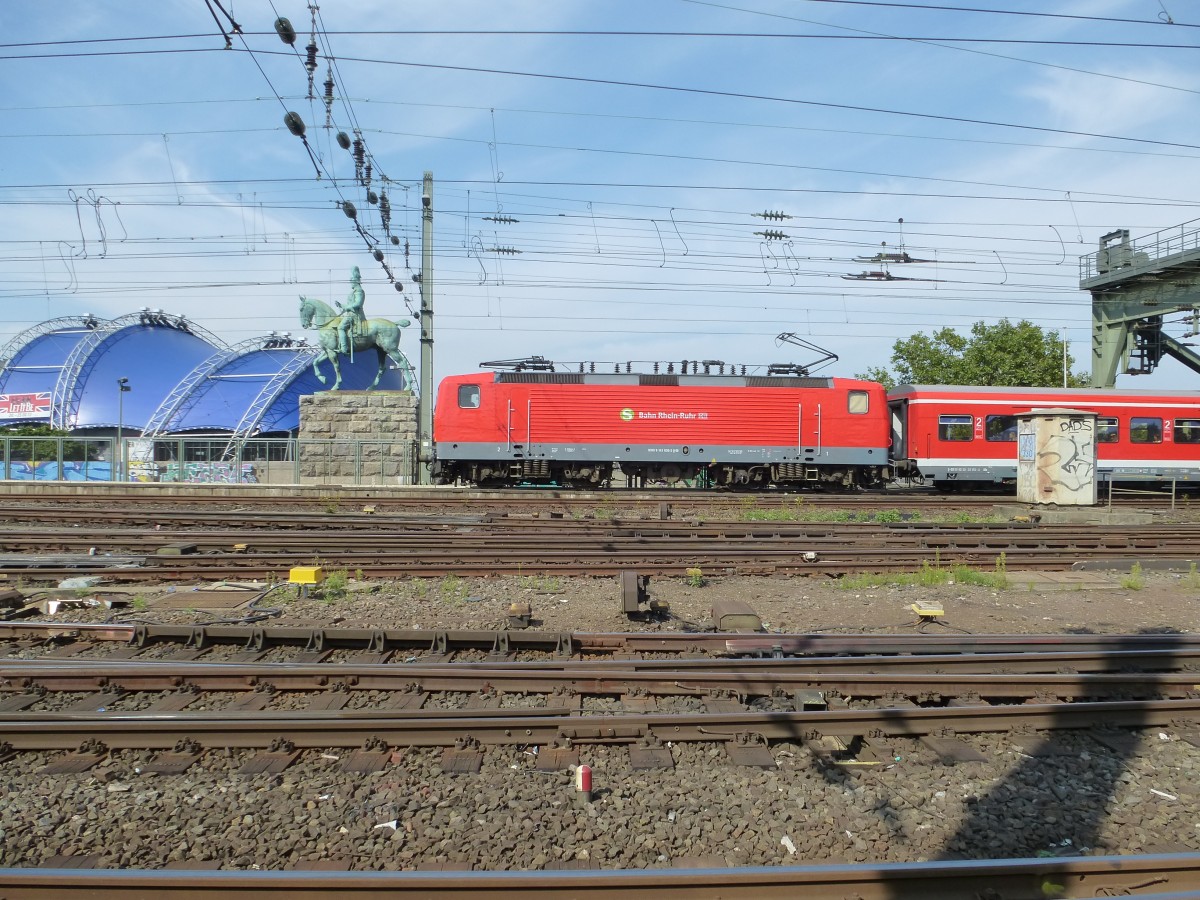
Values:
[(257, 639), (440, 642), (197, 638), (378, 641), (502, 645)]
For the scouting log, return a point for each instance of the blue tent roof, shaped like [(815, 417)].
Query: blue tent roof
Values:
[(181, 379), (32, 362), (154, 358), (255, 388)]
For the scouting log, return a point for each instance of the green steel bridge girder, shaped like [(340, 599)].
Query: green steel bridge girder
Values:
[(1128, 316)]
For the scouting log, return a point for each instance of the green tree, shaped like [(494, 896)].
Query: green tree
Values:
[(35, 451), (1004, 354)]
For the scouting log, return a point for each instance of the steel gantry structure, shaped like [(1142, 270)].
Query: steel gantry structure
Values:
[(1135, 285)]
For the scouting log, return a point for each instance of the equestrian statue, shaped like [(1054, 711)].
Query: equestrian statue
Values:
[(350, 331)]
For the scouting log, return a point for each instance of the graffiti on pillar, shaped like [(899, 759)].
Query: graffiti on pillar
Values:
[(1067, 459)]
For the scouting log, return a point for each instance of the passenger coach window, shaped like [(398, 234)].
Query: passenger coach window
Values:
[(1187, 431), (859, 402), (1001, 428), (468, 396), (954, 428), (1144, 430), (1107, 431)]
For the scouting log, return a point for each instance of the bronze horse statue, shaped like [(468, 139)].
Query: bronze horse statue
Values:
[(382, 334)]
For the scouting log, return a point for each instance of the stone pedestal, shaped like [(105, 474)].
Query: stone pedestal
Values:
[(348, 437)]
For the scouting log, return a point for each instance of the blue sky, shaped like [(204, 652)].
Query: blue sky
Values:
[(597, 167)]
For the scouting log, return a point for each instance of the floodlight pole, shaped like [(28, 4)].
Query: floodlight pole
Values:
[(119, 455), (426, 397)]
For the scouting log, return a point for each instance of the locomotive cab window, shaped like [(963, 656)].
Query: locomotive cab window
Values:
[(468, 396), (1145, 430), (1187, 431), (954, 428), (858, 403), (1107, 430), (1001, 428)]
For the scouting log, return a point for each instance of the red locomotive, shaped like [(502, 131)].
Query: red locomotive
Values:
[(705, 426), (966, 437)]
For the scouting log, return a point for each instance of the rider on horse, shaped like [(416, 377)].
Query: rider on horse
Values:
[(352, 313)]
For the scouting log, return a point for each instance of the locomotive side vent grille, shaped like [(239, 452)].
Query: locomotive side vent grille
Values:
[(794, 382), (538, 378), (669, 380)]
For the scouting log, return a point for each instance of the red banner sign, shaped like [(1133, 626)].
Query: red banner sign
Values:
[(23, 406)]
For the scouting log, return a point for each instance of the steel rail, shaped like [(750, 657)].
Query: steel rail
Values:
[(672, 562), (406, 728), (405, 530), (125, 677), (328, 663), (605, 643), (1158, 877)]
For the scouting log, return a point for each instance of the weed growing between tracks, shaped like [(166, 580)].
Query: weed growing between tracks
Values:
[(1135, 580), (541, 584), (1191, 580), (334, 586), (930, 576), (797, 513)]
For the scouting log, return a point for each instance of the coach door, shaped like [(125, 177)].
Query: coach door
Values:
[(898, 412)]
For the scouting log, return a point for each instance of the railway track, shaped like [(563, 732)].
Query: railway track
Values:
[(53, 703), (384, 644), (655, 503), (77, 698), (563, 547)]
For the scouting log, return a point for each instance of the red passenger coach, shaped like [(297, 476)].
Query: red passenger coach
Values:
[(575, 429), (966, 437)]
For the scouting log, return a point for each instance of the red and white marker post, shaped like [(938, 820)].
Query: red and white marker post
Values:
[(583, 784)]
